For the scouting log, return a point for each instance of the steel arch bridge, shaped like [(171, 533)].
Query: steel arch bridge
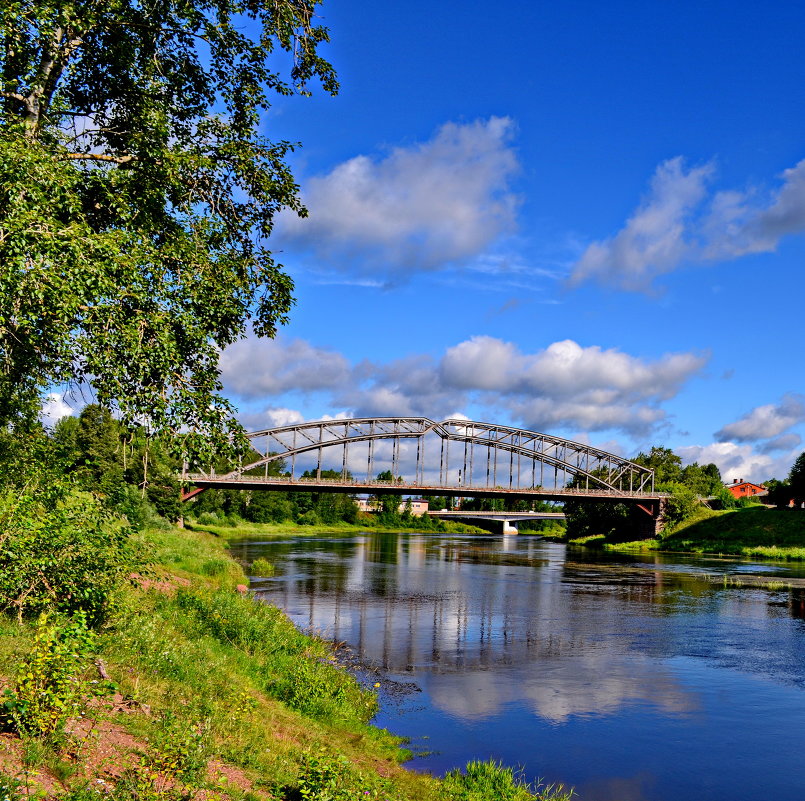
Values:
[(451, 457)]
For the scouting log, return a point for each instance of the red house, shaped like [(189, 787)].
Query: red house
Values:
[(743, 489)]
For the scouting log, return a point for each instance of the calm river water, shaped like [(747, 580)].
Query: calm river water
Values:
[(630, 678)]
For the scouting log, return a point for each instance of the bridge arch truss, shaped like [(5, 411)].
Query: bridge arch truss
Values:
[(465, 455)]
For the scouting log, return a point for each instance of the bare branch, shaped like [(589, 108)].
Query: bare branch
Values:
[(99, 157), (15, 96)]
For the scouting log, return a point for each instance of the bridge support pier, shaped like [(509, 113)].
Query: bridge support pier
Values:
[(651, 518), (490, 525)]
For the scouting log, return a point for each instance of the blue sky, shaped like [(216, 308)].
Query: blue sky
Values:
[(577, 217)]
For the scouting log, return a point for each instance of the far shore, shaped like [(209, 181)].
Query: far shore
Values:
[(755, 532), (272, 531)]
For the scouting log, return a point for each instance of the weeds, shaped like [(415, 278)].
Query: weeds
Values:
[(48, 689), (262, 567), (483, 781), (11, 788), (326, 778)]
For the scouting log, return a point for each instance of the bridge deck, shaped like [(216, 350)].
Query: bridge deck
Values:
[(513, 516), (282, 484)]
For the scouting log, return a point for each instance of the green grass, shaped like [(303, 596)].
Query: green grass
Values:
[(755, 531), (191, 556), (262, 567), (244, 530), (485, 781)]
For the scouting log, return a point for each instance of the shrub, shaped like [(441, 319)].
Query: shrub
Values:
[(60, 550), (681, 504), (725, 499), (262, 567), (309, 518), (48, 689)]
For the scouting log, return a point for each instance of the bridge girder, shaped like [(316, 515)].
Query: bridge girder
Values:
[(598, 469)]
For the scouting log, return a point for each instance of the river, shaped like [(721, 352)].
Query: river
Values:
[(630, 678)]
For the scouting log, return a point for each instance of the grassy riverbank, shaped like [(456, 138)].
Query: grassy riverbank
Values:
[(213, 696), (756, 531), (243, 530)]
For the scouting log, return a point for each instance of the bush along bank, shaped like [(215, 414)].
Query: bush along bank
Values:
[(188, 688)]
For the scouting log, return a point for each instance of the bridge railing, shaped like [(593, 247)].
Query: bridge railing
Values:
[(212, 478)]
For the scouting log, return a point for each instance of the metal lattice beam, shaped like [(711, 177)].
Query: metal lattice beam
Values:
[(588, 467)]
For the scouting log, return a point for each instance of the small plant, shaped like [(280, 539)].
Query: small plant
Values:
[(11, 788), (321, 778), (179, 751), (174, 765), (48, 689), (327, 778), (488, 780), (262, 567)]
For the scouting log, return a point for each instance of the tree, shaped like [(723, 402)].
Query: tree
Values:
[(98, 449), (703, 480), (796, 480), (136, 197), (779, 492), (666, 464), (388, 503)]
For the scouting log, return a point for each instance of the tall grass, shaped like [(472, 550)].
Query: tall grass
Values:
[(484, 781)]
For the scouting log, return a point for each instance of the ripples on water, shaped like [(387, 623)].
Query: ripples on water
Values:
[(632, 679)]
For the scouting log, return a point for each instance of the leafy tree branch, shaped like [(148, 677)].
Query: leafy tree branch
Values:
[(137, 196)]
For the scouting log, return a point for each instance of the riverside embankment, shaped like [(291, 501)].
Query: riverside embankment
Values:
[(200, 692), (756, 532)]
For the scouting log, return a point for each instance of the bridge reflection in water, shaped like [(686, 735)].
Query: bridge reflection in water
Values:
[(606, 672), (603, 671), (414, 603)]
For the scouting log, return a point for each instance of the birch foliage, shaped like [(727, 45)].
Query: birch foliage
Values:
[(137, 194)]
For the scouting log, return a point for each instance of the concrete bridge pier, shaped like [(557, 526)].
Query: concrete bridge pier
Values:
[(493, 525)]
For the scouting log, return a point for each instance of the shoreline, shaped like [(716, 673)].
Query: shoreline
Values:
[(265, 712), (272, 531)]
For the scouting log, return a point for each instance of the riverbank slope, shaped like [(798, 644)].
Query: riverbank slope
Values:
[(756, 531), (200, 692)]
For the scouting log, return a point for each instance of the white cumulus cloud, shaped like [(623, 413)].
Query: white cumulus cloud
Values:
[(654, 239), (562, 386), (54, 407), (764, 422), (255, 368), (419, 207), (679, 223), (739, 461)]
